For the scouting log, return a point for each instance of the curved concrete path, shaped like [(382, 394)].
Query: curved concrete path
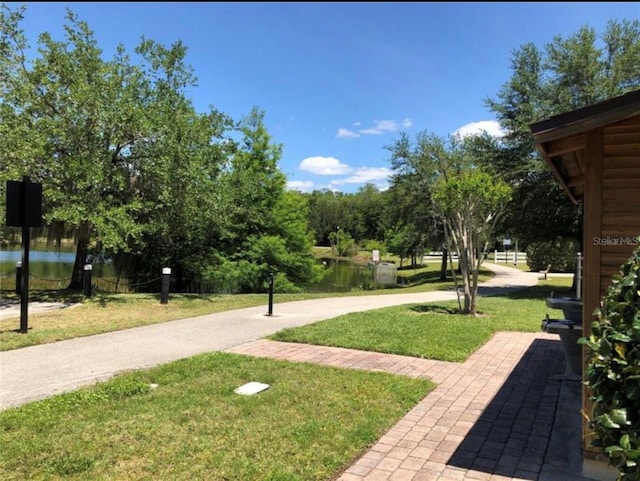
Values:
[(505, 414), (36, 372)]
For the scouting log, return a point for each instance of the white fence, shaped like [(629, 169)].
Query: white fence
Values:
[(437, 257), (507, 257)]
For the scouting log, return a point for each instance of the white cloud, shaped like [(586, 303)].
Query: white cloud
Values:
[(324, 166), (363, 175), (379, 127), (492, 127), (301, 185), (346, 134)]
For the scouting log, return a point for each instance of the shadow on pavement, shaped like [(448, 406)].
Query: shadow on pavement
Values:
[(513, 433)]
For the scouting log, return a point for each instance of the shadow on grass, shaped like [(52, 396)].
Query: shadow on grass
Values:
[(421, 278), (103, 299), (434, 309), (538, 292), (424, 277), (66, 296)]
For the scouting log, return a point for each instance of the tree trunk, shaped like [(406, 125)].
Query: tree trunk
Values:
[(473, 309), (82, 248), (466, 284), (443, 265), (474, 292)]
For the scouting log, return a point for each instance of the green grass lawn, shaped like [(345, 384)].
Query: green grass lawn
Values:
[(434, 330), (309, 425), (112, 312)]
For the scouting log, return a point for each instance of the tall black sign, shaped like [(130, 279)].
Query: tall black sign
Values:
[(24, 204), (24, 209)]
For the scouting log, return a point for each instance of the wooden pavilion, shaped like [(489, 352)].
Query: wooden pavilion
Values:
[(595, 154)]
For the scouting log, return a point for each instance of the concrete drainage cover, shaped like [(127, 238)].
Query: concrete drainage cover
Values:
[(251, 388)]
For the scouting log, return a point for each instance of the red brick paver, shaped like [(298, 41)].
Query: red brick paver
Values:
[(488, 419), (438, 371)]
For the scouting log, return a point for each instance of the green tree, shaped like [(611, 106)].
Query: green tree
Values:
[(563, 75), (469, 203), (266, 229), (75, 124), (69, 104), (253, 180), (133, 171), (403, 242), (410, 212), (326, 213), (440, 189), (184, 200), (364, 211)]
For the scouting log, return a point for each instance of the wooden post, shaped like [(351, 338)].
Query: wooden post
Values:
[(592, 213)]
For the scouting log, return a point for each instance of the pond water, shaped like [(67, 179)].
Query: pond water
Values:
[(44, 265), (38, 256), (344, 276), (341, 275)]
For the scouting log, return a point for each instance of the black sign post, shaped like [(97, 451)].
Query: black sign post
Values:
[(24, 209)]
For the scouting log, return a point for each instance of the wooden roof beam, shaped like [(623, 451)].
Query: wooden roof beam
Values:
[(576, 181), (565, 145)]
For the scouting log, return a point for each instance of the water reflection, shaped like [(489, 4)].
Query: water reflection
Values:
[(46, 266), (342, 275), (38, 256)]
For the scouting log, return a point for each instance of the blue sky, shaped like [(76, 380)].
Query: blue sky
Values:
[(339, 81)]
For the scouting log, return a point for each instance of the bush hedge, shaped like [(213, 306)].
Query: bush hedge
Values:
[(613, 371), (559, 253)]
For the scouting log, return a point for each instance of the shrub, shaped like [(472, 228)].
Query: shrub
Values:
[(342, 244), (371, 245), (560, 253), (613, 371)]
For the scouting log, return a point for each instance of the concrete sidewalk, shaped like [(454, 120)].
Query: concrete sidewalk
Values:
[(492, 418), (36, 372)]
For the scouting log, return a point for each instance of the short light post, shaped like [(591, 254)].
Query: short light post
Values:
[(86, 279), (166, 281)]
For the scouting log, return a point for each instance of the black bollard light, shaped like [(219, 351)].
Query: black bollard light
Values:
[(18, 277), (88, 268), (270, 313), (166, 281)]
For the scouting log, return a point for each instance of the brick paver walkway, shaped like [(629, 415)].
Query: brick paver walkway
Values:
[(488, 419)]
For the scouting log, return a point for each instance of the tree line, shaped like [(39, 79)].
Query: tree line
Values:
[(565, 74), (131, 170)]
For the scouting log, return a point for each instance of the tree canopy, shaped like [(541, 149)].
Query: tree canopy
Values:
[(131, 169), (564, 74)]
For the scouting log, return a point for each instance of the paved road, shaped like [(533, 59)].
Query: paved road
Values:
[(37, 372)]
